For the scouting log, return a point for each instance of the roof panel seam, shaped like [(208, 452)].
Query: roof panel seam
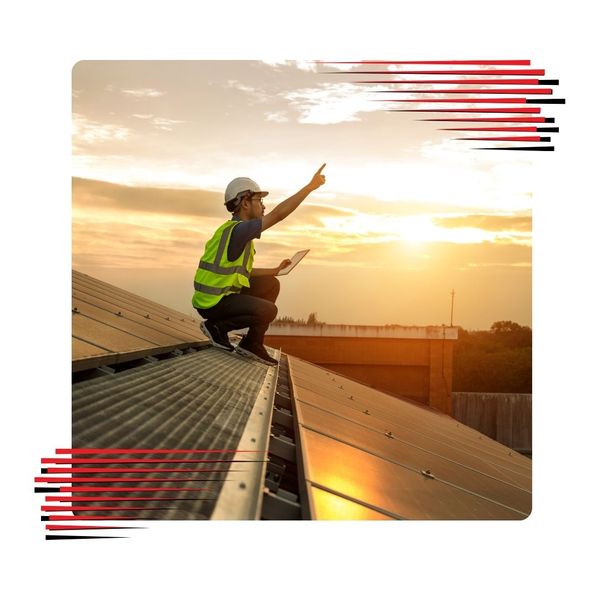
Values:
[(149, 326), (372, 507), (77, 337), (154, 344)]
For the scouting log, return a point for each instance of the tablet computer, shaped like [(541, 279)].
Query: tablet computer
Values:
[(295, 260)]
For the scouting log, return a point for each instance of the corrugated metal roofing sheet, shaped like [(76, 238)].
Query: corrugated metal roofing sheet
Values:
[(201, 400), (398, 459)]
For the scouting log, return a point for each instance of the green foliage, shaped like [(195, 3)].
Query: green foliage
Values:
[(312, 321), (498, 360), (288, 321)]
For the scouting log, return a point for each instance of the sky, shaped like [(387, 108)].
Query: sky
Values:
[(406, 216)]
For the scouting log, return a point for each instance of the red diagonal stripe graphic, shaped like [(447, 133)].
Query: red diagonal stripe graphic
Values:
[(101, 461), (477, 72), (56, 470), (118, 488), (76, 527), (88, 518), (69, 507), (457, 81), (491, 120), (462, 100), (522, 62), (530, 138), (532, 109), (475, 91), (113, 479), (141, 451), (119, 498)]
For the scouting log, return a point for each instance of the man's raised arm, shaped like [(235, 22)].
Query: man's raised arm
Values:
[(283, 209)]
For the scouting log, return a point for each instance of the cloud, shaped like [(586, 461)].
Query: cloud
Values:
[(242, 87), (126, 245), (143, 93), (276, 117), (302, 65), (168, 226), (257, 94), (331, 103), (89, 194), (446, 256), (165, 124), (158, 122), (92, 132), (488, 222), (314, 214)]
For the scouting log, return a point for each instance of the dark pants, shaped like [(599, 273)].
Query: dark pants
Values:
[(254, 308)]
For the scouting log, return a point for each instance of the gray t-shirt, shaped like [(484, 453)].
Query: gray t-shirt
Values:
[(241, 235)]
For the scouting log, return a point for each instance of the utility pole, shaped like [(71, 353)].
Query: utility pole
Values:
[(452, 308)]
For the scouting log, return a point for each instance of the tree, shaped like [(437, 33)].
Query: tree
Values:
[(312, 320), (506, 327), (497, 360)]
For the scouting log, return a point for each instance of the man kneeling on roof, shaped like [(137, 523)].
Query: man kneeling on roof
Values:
[(229, 293)]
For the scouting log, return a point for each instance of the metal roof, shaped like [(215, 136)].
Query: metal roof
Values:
[(357, 453), (111, 325)]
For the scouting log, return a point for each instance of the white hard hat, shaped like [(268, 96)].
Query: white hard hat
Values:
[(242, 184)]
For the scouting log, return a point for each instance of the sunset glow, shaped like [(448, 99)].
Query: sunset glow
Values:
[(401, 202)]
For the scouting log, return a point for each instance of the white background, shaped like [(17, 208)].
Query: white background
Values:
[(547, 553)]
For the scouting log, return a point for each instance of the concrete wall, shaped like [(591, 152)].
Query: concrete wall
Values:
[(430, 332), (503, 417), (417, 367)]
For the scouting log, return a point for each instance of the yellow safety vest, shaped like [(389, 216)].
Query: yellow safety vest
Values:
[(217, 276)]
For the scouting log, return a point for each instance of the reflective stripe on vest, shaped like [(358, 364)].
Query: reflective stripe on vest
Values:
[(216, 268), (215, 291), (216, 275)]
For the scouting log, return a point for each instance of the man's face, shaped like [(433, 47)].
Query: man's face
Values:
[(257, 208)]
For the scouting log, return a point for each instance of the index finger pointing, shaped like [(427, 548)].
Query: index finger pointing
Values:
[(320, 169)]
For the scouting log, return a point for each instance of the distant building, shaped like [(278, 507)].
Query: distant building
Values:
[(412, 362)]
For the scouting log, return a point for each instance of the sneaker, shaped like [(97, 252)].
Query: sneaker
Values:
[(217, 337), (256, 352)]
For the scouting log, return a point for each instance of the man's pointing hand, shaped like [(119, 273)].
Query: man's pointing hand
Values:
[(318, 180)]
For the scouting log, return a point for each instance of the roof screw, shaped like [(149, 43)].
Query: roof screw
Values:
[(389, 434), (147, 316), (167, 318), (75, 310), (242, 485), (119, 314), (253, 440), (366, 411), (261, 412)]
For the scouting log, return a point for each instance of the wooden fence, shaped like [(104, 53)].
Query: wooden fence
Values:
[(505, 418)]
